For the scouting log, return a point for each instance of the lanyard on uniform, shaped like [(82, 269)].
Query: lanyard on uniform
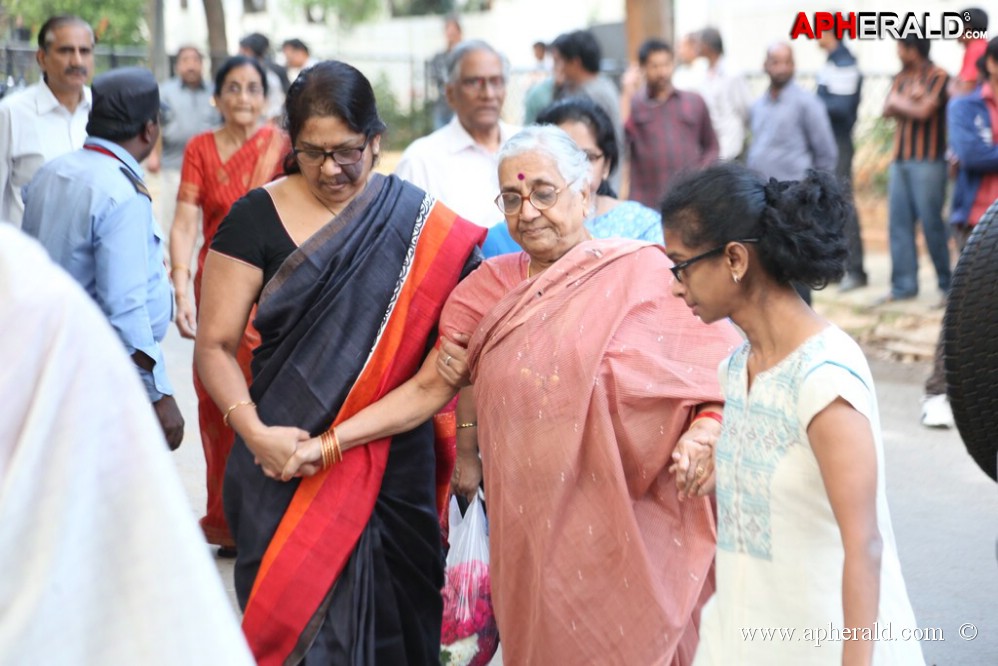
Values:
[(133, 178), (102, 149)]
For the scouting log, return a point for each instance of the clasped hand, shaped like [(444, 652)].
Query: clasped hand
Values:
[(693, 459), (285, 452)]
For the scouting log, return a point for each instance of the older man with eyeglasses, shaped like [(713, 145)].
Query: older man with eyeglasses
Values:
[(457, 163)]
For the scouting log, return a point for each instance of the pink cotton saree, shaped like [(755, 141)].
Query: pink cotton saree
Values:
[(585, 377)]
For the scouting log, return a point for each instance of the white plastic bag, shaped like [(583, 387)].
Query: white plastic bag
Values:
[(469, 636)]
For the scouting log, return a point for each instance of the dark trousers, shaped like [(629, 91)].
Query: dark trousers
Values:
[(853, 236)]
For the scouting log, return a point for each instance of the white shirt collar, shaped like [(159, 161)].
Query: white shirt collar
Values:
[(458, 139), (47, 102)]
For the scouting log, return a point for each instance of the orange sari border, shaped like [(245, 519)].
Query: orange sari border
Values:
[(330, 510)]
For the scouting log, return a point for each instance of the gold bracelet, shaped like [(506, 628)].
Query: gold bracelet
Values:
[(472, 424), (177, 267), (225, 419)]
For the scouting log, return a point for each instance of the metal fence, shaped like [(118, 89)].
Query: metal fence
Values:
[(19, 69)]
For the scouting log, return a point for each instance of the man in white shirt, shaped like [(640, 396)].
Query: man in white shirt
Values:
[(691, 68), (727, 95), (457, 163), (49, 118)]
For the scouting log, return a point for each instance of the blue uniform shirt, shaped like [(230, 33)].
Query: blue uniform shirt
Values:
[(96, 222)]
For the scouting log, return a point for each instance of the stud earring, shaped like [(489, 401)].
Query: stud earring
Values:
[(735, 278)]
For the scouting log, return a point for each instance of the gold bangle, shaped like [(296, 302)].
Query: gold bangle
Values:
[(472, 424), (337, 451), (324, 449), (177, 267), (330, 448), (225, 419)]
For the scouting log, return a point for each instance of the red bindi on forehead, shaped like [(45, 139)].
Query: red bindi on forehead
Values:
[(520, 176)]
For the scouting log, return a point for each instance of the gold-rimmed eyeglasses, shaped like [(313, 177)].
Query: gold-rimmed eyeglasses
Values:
[(541, 198)]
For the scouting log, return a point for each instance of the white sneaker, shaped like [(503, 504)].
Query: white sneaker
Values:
[(936, 412)]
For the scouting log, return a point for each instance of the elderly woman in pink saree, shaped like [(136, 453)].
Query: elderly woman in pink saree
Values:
[(586, 375)]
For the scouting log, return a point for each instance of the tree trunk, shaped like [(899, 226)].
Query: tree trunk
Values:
[(158, 61), (218, 43), (647, 18)]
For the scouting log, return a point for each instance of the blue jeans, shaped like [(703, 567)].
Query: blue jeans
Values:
[(915, 191)]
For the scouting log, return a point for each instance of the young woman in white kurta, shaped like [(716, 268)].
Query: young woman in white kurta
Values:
[(807, 566)]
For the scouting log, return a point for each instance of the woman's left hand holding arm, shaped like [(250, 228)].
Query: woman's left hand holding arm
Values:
[(452, 361), (693, 459)]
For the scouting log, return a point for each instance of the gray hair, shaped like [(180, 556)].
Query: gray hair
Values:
[(551, 140), (458, 53)]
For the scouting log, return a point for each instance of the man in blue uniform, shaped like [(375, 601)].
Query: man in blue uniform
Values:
[(92, 212)]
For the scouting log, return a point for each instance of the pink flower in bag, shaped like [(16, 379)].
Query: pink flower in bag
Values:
[(467, 594)]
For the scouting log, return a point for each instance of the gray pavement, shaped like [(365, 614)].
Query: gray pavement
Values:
[(945, 510)]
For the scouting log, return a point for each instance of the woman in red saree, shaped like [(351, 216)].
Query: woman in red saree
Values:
[(219, 167)]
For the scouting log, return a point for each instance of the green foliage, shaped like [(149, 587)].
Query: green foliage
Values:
[(421, 7), (874, 152), (114, 21), (349, 12), (403, 127)]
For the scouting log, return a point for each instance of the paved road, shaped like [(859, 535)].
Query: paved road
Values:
[(945, 511)]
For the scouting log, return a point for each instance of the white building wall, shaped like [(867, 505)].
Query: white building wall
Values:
[(748, 27), (396, 48)]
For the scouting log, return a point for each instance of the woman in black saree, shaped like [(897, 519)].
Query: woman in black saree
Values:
[(343, 566)]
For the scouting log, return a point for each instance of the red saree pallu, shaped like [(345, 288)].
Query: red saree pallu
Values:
[(349, 316), (213, 186)]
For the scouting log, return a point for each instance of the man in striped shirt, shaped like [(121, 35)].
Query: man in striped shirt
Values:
[(917, 181)]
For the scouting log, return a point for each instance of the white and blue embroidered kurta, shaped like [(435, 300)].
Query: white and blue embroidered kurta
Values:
[(779, 552)]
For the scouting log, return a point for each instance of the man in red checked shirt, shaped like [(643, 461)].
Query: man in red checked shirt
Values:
[(668, 130)]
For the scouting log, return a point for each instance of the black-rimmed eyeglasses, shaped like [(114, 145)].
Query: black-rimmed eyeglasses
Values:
[(679, 268), (341, 156)]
